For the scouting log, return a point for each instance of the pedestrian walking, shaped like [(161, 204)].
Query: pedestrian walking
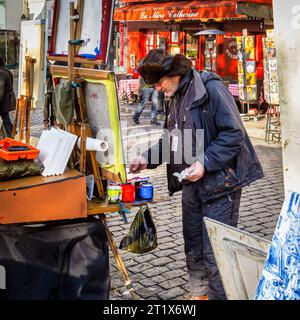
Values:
[(147, 92), (7, 97), (213, 179)]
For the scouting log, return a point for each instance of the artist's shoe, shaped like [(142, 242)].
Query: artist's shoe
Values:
[(199, 298), (155, 123), (136, 120)]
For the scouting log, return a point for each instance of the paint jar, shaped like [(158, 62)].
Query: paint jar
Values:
[(146, 191), (128, 193), (114, 194), (137, 190)]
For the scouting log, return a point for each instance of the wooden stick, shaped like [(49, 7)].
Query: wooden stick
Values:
[(71, 47), (82, 73), (78, 28), (96, 169), (22, 117), (16, 118), (76, 60), (81, 102), (119, 261), (83, 136), (27, 119)]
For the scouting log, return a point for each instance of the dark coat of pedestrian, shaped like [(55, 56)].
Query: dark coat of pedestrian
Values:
[(213, 179), (7, 97)]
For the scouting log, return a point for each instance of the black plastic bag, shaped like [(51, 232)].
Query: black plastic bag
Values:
[(142, 235)]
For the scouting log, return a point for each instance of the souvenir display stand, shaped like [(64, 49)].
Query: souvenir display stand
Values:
[(271, 88), (247, 74)]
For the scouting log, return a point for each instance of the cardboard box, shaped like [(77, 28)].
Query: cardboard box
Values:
[(40, 199)]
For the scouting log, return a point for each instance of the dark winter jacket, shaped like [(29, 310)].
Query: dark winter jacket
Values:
[(7, 96), (230, 160)]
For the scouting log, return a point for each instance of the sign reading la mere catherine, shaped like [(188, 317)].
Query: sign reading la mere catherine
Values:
[(170, 14)]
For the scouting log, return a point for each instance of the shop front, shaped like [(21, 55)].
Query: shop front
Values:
[(145, 25)]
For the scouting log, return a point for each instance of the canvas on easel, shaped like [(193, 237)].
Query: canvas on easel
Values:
[(103, 117), (94, 29), (33, 41)]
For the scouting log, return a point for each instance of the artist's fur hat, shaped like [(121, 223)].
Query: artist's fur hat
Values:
[(158, 64)]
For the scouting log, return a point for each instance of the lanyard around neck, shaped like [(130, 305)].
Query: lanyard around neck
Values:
[(183, 103)]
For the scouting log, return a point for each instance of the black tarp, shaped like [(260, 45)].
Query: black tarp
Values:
[(57, 261)]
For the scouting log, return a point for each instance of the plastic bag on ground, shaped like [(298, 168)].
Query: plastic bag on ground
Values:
[(142, 235)]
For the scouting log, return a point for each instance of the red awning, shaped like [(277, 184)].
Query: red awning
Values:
[(251, 1), (183, 10)]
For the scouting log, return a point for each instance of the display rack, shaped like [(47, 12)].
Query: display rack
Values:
[(247, 73), (271, 88)]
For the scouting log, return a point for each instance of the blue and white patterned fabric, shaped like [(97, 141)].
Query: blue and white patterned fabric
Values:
[(281, 275)]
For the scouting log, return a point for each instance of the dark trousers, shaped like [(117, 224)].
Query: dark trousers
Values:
[(8, 126), (204, 277), (58, 261)]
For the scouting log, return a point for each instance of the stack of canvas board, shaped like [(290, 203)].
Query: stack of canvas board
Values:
[(55, 147)]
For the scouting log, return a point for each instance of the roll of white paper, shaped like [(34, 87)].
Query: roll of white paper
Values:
[(94, 145)]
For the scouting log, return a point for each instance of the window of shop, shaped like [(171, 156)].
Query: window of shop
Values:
[(191, 45), (9, 47), (151, 40), (210, 53)]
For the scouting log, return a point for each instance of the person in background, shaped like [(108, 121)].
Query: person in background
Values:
[(161, 103), (223, 159), (7, 97), (147, 92)]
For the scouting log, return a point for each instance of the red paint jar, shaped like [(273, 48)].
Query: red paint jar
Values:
[(128, 193)]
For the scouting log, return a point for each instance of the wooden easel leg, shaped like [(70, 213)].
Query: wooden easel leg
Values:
[(97, 174), (22, 118), (27, 126), (83, 137), (119, 261), (16, 118), (95, 167)]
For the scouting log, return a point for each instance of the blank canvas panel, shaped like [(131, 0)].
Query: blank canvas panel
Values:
[(32, 41), (95, 28)]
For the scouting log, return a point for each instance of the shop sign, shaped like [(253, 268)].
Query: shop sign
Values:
[(170, 14), (231, 50)]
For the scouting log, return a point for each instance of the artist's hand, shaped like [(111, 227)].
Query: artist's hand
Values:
[(195, 172), (137, 165)]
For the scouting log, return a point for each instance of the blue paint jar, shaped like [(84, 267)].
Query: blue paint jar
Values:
[(146, 191)]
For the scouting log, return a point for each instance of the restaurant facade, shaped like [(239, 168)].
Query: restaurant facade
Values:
[(142, 25)]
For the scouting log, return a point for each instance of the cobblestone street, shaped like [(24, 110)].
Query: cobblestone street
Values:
[(161, 274)]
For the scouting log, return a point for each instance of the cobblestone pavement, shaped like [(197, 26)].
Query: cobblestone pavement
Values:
[(161, 274)]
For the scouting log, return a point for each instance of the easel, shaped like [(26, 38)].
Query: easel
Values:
[(81, 128), (271, 133), (23, 106)]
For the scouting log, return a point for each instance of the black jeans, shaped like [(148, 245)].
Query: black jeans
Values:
[(201, 265), (59, 261), (8, 126)]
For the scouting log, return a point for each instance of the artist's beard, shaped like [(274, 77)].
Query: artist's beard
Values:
[(169, 94)]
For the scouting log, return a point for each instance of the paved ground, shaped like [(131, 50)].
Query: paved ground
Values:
[(161, 274)]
